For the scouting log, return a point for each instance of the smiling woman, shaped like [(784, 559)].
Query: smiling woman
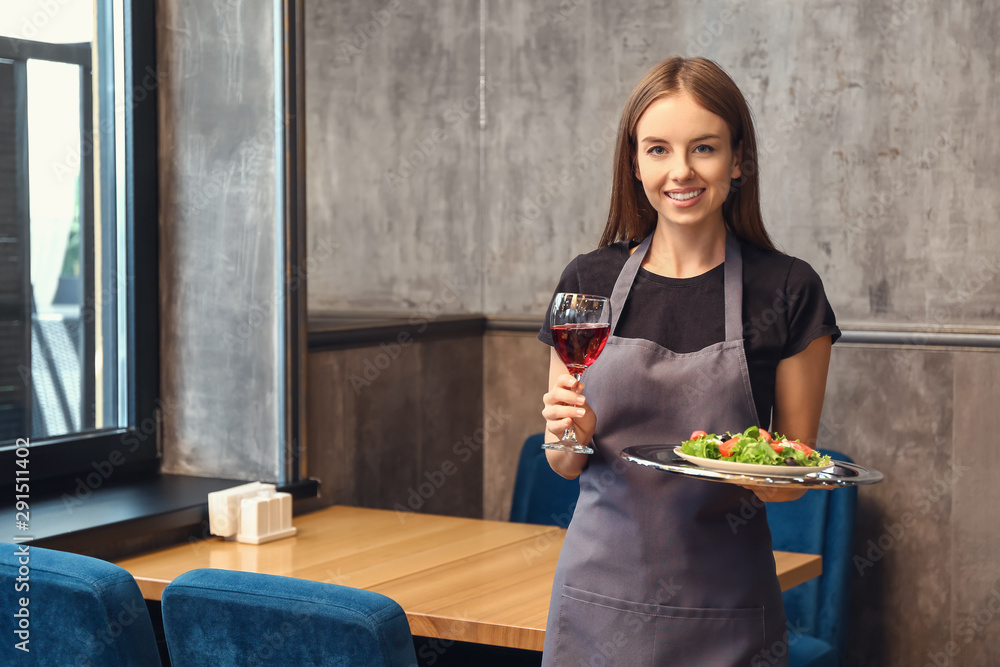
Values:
[(686, 263)]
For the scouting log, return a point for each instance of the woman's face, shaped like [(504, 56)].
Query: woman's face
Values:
[(685, 161)]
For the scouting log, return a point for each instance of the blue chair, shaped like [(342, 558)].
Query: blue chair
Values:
[(820, 522), (79, 611), (220, 617), (540, 495)]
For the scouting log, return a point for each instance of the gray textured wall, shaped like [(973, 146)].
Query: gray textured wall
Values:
[(876, 119), (217, 260), (392, 158)]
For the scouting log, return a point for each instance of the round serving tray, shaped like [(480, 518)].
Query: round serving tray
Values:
[(840, 473)]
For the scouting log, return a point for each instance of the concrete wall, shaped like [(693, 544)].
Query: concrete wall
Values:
[(875, 121), (219, 356), (381, 85), (924, 550)]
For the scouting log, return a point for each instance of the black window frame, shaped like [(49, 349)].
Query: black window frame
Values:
[(134, 449)]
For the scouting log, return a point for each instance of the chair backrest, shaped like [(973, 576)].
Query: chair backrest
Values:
[(220, 617), (820, 522), (67, 609), (540, 495)]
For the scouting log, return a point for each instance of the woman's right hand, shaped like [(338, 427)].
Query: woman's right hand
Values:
[(567, 407)]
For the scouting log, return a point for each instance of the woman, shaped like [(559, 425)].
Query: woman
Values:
[(712, 328)]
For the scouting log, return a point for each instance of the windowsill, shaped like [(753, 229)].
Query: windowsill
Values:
[(145, 513)]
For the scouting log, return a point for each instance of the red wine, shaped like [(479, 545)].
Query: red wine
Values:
[(579, 344)]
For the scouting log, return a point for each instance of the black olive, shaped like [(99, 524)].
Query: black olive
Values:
[(790, 461)]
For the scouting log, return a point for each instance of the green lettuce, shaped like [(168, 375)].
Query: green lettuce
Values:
[(706, 447), (752, 448)]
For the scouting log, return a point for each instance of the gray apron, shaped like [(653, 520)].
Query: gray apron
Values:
[(659, 569)]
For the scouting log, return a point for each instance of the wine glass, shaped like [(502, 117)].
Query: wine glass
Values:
[(580, 326)]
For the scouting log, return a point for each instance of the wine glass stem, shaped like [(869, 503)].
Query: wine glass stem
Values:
[(570, 434)]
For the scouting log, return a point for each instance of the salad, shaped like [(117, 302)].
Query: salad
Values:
[(754, 445)]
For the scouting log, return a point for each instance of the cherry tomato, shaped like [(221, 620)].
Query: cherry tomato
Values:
[(697, 434), (794, 444), (805, 449), (764, 434), (726, 448)]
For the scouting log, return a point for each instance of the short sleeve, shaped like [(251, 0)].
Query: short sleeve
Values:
[(568, 282), (810, 315)]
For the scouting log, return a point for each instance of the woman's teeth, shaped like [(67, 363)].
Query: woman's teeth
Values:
[(686, 195)]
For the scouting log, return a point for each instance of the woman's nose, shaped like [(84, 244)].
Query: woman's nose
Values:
[(680, 170)]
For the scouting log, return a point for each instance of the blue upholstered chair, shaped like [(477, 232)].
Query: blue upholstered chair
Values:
[(79, 611), (540, 495), (820, 522), (219, 617)]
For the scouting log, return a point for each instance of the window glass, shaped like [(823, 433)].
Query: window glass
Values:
[(60, 305), (52, 21)]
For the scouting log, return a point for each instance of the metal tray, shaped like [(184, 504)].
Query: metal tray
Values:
[(839, 474)]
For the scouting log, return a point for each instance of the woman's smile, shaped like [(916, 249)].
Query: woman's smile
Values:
[(685, 197)]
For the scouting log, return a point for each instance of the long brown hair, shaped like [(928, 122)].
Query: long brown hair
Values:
[(631, 217)]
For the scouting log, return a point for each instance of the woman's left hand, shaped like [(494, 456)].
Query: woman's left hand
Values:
[(770, 494), (799, 386)]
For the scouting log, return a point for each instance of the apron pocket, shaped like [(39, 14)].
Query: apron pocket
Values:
[(600, 631), (709, 637)]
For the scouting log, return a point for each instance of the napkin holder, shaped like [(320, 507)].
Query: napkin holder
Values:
[(265, 517), (253, 513)]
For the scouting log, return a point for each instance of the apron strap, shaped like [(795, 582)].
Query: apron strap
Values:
[(734, 289), (625, 279), (733, 285)]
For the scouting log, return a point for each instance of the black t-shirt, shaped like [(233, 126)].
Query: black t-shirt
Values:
[(784, 309)]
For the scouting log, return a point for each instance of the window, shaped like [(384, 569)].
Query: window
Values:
[(78, 307)]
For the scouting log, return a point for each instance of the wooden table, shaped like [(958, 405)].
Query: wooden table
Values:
[(462, 579)]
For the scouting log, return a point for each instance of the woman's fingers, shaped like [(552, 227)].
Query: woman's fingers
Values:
[(566, 391), (562, 411), (564, 397), (570, 382), (559, 427), (563, 404), (774, 495)]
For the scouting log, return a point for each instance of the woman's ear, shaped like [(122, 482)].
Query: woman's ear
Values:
[(737, 161), (635, 170)]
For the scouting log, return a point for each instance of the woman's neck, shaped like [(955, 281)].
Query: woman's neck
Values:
[(685, 252)]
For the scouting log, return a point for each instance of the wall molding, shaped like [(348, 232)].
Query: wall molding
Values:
[(336, 332), (340, 330), (923, 337)]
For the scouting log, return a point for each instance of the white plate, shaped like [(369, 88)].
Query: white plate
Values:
[(745, 468)]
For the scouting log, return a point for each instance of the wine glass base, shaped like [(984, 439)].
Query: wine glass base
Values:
[(563, 447)]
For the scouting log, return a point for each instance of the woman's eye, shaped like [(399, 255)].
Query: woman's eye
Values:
[(657, 150), (703, 148)]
